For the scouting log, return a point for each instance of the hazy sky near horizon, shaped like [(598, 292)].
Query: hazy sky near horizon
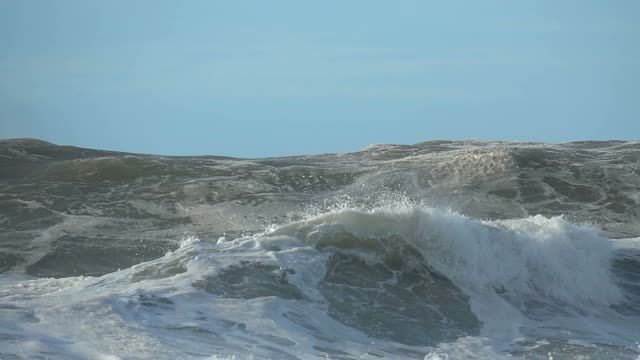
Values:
[(258, 78)]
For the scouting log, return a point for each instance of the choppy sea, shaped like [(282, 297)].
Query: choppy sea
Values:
[(438, 250)]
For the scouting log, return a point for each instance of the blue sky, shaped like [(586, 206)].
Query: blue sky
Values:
[(267, 78)]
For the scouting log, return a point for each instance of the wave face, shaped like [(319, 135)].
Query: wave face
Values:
[(458, 250)]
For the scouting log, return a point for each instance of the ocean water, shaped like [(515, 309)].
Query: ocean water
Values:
[(439, 250)]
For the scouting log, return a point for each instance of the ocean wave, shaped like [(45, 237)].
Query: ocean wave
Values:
[(536, 255), (440, 249)]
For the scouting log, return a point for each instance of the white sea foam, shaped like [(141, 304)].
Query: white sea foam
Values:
[(154, 309), (551, 257)]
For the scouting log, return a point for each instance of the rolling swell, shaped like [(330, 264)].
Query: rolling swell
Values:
[(323, 255), (533, 257), (415, 275)]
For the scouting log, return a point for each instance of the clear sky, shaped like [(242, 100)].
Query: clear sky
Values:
[(264, 78)]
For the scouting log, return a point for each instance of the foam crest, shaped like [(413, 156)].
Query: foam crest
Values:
[(536, 256)]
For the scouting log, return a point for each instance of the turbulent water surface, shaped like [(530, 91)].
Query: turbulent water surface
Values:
[(458, 250)]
